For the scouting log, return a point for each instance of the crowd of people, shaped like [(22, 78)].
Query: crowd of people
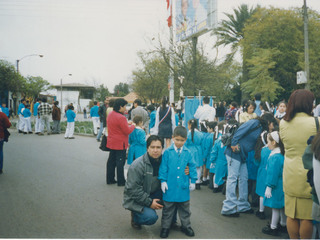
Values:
[(252, 154)]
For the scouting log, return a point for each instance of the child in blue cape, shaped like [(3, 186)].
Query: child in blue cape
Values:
[(262, 153), (175, 185), (137, 140), (207, 144), (274, 195), (218, 160), (193, 143), (71, 115)]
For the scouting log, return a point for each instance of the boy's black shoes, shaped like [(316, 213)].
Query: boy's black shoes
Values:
[(268, 230), (133, 224), (188, 231), (231, 215), (198, 186), (282, 229), (260, 215), (164, 232)]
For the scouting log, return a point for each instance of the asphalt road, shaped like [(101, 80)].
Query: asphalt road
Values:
[(55, 188)]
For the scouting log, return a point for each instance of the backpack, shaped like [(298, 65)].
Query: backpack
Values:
[(229, 132)]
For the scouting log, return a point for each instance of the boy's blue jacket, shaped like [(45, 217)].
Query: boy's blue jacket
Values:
[(94, 111), (26, 113), (246, 139), (70, 115), (21, 105), (35, 108), (195, 147), (172, 171)]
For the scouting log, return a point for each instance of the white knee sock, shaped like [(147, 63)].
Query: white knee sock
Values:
[(275, 218), (261, 206), (214, 184), (198, 175)]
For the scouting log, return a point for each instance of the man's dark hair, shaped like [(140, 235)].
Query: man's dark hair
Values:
[(95, 103), (111, 102), (70, 107), (56, 103), (234, 104), (137, 101), (180, 131), (257, 96), (119, 102), (206, 100), (44, 99), (154, 138)]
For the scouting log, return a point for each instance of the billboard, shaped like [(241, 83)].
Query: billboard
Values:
[(194, 17)]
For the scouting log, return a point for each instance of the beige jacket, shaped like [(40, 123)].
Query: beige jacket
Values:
[(294, 135)]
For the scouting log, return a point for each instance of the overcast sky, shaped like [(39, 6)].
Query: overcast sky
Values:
[(94, 40)]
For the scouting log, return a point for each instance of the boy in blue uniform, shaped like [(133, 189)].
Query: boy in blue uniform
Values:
[(27, 118), (4, 109), (175, 184), (70, 123)]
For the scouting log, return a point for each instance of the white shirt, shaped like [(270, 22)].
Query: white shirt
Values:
[(205, 112)]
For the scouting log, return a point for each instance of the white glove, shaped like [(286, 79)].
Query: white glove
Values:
[(192, 186), (268, 194), (164, 186)]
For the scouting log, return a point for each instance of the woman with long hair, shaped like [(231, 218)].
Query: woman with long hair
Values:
[(295, 129)]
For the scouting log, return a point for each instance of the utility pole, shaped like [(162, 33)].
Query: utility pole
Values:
[(306, 45)]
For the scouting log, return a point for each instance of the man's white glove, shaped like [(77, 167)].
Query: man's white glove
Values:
[(192, 186), (268, 194), (164, 186)]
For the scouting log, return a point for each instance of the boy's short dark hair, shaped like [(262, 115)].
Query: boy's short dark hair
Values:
[(154, 138), (70, 107), (137, 119), (180, 131), (137, 101), (95, 103), (212, 124), (206, 100)]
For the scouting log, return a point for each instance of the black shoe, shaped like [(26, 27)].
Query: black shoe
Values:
[(69, 137), (175, 226), (25, 133), (250, 211), (111, 182), (205, 183), (260, 215), (133, 224), (267, 230), (198, 186), (20, 131), (224, 188), (188, 231), (121, 184), (231, 215), (1, 171), (30, 132), (164, 232), (216, 190)]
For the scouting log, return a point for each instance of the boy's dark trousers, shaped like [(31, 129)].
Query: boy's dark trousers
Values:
[(168, 213)]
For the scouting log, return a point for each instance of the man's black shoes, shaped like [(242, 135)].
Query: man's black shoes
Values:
[(188, 231), (231, 215), (164, 232)]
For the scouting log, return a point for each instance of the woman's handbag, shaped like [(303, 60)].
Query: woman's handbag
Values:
[(103, 144), (6, 135)]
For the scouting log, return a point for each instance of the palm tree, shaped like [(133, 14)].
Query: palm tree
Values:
[(230, 32)]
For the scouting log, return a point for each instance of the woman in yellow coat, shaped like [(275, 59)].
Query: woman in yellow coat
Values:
[(295, 129)]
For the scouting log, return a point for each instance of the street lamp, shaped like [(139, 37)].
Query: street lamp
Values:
[(61, 89), (31, 55)]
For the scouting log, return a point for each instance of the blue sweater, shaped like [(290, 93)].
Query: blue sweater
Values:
[(246, 141), (26, 113), (70, 115), (94, 111)]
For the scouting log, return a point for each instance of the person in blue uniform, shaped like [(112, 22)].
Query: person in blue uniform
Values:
[(207, 144), (94, 113), (37, 125), (21, 118), (262, 153), (219, 160), (137, 140), (193, 143), (152, 114), (70, 123), (4, 109), (274, 195), (27, 118), (175, 185)]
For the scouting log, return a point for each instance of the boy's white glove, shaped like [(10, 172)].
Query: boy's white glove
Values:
[(268, 194), (164, 186), (192, 186)]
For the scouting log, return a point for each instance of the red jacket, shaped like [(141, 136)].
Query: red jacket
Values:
[(4, 123), (118, 131)]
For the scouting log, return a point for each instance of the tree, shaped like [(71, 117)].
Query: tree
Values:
[(260, 80), (35, 85), (280, 29), (230, 32), (121, 90), (10, 80), (102, 92), (150, 81)]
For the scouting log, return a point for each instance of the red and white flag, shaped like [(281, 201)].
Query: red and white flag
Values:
[(169, 11)]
